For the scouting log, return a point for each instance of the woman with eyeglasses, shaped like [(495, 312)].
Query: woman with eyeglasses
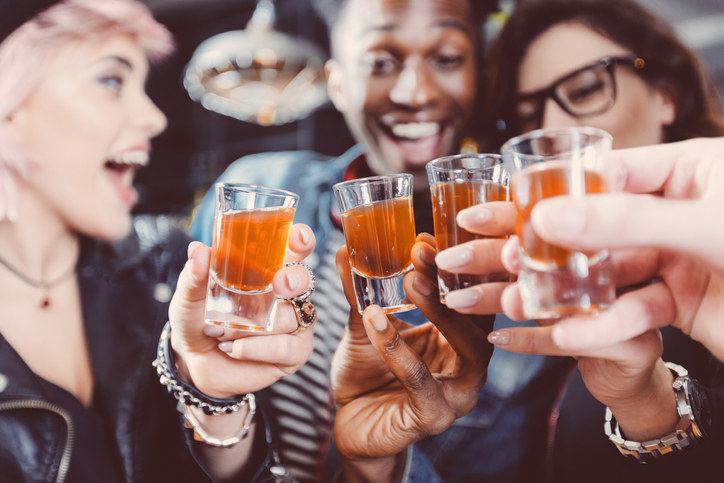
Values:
[(613, 65), (607, 64)]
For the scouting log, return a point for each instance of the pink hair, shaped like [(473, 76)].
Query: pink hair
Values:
[(24, 53)]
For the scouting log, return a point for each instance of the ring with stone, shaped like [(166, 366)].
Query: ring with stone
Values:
[(304, 309)]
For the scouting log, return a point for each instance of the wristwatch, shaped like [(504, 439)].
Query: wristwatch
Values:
[(686, 433)]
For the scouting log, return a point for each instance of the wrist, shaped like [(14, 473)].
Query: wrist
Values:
[(690, 407), (651, 412), (368, 470), (223, 430)]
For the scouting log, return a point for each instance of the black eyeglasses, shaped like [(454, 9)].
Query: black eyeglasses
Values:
[(584, 92)]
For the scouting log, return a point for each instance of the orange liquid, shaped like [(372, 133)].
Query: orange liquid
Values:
[(449, 198), (249, 247), (534, 184), (380, 236)]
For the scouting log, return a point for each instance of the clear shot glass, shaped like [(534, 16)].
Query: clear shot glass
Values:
[(555, 281), (379, 230), (458, 182), (251, 232)]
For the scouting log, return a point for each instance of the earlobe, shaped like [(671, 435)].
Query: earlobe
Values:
[(335, 84)]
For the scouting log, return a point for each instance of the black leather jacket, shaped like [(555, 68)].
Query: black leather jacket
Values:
[(125, 288)]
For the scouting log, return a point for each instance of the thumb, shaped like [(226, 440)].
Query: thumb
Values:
[(189, 299), (407, 366)]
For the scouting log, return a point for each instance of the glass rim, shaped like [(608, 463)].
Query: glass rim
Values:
[(436, 163), (258, 189), (371, 180), (543, 133)]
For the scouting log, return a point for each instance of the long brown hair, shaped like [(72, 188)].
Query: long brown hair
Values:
[(669, 63)]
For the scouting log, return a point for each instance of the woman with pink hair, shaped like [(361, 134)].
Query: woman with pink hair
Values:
[(85, 288)]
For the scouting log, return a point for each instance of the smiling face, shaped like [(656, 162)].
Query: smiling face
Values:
[(86, 129), (640, 111), (404, 75)]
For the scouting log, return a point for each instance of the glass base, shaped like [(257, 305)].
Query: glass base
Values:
[(386, 292), (560, 291), (250, 311)]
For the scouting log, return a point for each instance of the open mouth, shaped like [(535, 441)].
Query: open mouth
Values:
[(415, 130), (416, 142), (121, 169)]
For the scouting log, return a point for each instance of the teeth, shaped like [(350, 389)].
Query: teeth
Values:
[(415, 130), (134, 158)]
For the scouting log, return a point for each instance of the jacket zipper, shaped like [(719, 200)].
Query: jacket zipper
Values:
[(70, 436)]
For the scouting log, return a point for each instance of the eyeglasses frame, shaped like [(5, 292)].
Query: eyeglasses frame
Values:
[(608, 63)]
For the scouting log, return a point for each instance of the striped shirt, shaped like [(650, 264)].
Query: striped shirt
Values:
[(302, 402)]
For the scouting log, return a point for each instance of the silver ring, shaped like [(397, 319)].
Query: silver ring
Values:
[(304, 309)]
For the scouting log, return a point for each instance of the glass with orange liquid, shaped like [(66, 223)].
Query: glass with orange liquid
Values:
[(555, 281), (379, 229), (458, 182), (251, 231)]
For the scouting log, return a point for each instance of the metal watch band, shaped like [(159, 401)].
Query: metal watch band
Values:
[(685, 434), (185, 392)]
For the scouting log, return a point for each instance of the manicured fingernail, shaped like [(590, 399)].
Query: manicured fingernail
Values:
[(459, 299), (305, 235), (474, 216), (421, 284), (499, 337), (213, 330), (454, 257), (226, 346), (563, 218), (292, 280)]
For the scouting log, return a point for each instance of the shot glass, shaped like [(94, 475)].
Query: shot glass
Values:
[(459, 182), (555, 281), (379, 229), (251, 231)]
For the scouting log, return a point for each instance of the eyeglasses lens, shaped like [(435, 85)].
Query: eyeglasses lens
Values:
[(589, 92)]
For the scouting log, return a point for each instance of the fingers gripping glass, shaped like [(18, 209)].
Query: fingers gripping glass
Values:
[(584, 92)]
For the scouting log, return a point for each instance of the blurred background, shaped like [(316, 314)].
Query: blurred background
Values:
[(201, 141)]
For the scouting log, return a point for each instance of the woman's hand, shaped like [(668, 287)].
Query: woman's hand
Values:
[(396, 383), (668, 225), (629, 377), (225, 363), (626, 377)]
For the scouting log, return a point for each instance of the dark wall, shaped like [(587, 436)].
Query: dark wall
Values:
[(199, 144)]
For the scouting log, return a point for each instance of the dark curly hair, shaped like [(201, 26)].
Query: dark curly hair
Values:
[(330, 10), (669, 63)]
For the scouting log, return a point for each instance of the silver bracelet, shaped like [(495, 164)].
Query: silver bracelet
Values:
[(200, 434), (685, 434), (187, 393)]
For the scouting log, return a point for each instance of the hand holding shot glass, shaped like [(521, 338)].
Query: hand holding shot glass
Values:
[(251, 233), (555, 281), (379, 229), (459, 182)]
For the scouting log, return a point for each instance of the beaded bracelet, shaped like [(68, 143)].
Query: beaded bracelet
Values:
[(185, 392)]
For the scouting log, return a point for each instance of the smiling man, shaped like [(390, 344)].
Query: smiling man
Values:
[(404, 74)]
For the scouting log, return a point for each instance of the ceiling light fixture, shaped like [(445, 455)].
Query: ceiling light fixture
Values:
[(258, 74)]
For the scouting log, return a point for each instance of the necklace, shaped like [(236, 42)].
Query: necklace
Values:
[(43, 286)]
